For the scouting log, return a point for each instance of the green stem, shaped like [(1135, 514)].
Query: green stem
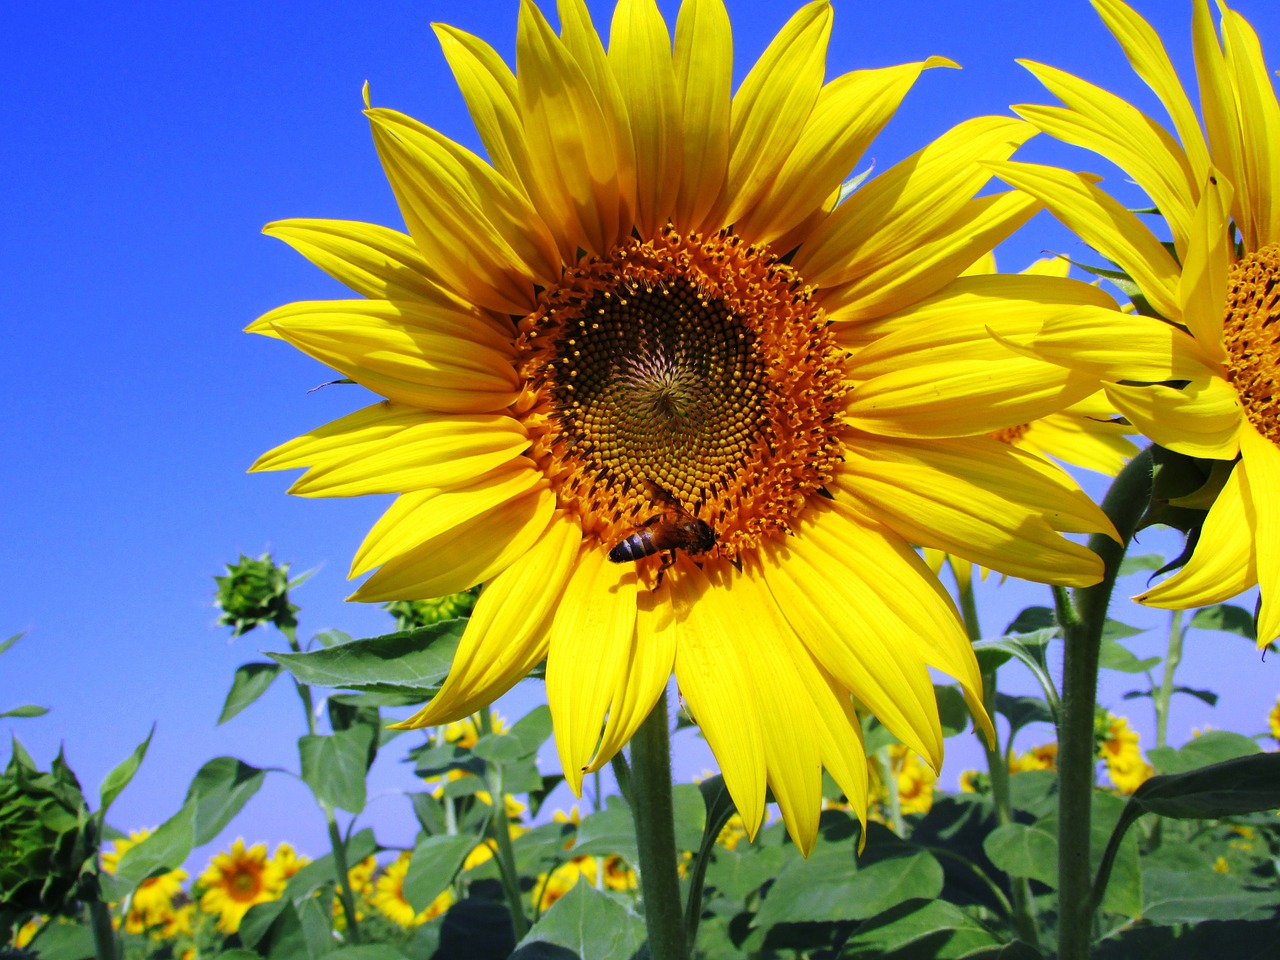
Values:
[(1023, 913), (889, 778), (343, 869), (502, 834), (1172, 658), (1082, 623), (656, 836), (104, 937)]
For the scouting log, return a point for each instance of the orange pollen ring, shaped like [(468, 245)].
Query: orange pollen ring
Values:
[(1251, 335), (696, 364)]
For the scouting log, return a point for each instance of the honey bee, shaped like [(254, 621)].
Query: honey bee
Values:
[(675, 528)]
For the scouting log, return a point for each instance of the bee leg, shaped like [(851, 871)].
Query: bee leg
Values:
[(668, 560)]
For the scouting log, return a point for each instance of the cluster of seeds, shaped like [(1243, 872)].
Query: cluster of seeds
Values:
[(698, 364), (1251, 334)]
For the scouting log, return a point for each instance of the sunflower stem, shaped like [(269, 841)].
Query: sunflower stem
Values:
[(104, 936), (501, 827), (654, 814), (1172, 657), (343, 869), (1082, 622), (1022, 912)]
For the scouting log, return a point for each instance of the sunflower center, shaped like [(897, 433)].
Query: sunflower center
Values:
[(245, 884), (1251, 333), (697, 365)]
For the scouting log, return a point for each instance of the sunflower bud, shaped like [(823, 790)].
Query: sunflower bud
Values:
[(416, 614), (255, 592), (48, 842)]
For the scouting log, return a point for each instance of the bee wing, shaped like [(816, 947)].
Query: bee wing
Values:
[(666, 500)]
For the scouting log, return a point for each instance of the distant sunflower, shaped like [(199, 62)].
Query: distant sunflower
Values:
[(648, 307), (152, 902), (1203, 379), (236, 880), (1118, 747), (388, 896)]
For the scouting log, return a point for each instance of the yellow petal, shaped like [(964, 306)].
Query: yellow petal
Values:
[(1112, 345), (884, 221), (334, 441), (1221, 118), (1255, 99), (436, 451), (591, 638), (465, 555), (979, 499), (704, 82), (1106, 124), (718, 687), (1205, 268), (1260, 480), (1095, 444), (1103, 224), (437, 359), (998, 298), (640, 52), (1147, 56), (1223, 562), (849, 113), (1201, 420), (506, 636), (573, 161), (644, 678), (489, 88), (424, 515), (478, 233), (374, 261), (855, 633), (771, 107)]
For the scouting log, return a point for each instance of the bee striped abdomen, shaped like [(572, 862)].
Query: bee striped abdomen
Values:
[(634, 547)]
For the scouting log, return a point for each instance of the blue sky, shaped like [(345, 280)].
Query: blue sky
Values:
[(145, 145)]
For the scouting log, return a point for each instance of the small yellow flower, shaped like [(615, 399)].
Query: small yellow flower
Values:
[(974, 781), (27, 931), (1220, 865), (551, 887), (181, 922), (465, 733), (1118, 746), (388, 896), (1273, 720), (288, 860), (1043, 757), (733, 831), (236, 880), (915, 781), (617, 875)]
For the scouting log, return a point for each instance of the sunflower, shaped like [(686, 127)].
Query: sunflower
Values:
[(1273, 721), (238, 879), (659, 311), (1201, 377), (388, 896), (1118, 747)]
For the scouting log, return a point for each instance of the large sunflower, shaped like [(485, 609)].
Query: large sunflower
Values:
[(1202, 378), (651, 303)]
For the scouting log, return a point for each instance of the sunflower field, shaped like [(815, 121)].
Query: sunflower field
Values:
[(677, 382)]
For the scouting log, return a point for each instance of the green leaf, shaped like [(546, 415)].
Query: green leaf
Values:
[(590, 923), (63, 941), (952, 710), (1247, 784), (332, 638), (27, 710), (334, 766), (414, 661), (1022, 711), (363, 951), (1115, 630), (1115, 656), (920, 929), (119, 778), (1032, 620), (833, 887), (1208, 696), (219, 790), (1228, 618), (1213, 746), (6, 644), (1181, 896), (1237, 939), (434, 864), (520, 742), (1023, 850), (1140, 563), (251, 681), (166, 848)]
